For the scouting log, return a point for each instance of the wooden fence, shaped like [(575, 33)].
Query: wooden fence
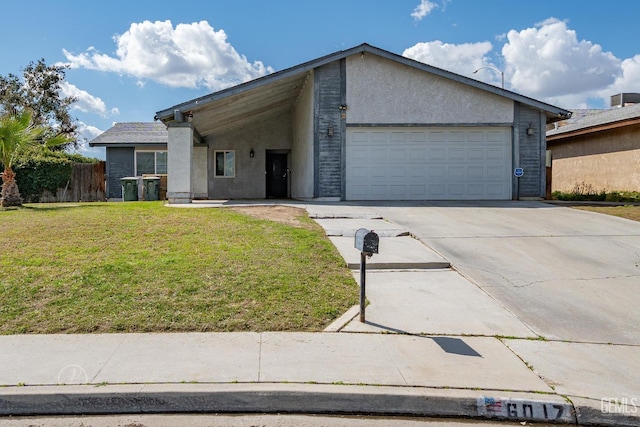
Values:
[(87, 184)]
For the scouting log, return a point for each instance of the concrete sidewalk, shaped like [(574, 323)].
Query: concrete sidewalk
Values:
[(293, 372), (434, 344)]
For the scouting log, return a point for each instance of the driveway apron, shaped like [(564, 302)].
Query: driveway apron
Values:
[(568, 274)]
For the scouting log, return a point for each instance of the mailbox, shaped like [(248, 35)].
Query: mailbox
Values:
[(367, 241)]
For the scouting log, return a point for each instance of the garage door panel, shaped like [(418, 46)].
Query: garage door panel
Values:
[(437, 190), (457, 136), (418, 154), (456, 154), (475, 136), (476, 172), (437, 173), (398, 191), (437, 154), (398, 174), (495, 190), (456, 173), (379, 137), (456, 190), (494, 136), (398, 154), (476, 190), (476, 154), (417, 172), (418, 136), (417, 190), (428, 163), (398, 136), (360, 173), (496, 172), (495, 154)]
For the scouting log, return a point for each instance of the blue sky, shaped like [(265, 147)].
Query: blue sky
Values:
[(130, 59)]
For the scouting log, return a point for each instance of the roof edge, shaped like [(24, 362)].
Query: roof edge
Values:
[(602, 127), (554, 113)]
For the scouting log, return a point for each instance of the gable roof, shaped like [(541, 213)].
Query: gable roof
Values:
[(132, 134), (604, 120), (276, 93)]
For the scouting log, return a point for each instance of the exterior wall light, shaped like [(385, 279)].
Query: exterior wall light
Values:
[(252, 153), (530, 130)]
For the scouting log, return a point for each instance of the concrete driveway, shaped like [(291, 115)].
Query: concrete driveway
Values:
[(568, 274)]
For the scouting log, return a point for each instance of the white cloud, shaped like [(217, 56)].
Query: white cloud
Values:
[(87, 133), (549, 62), (627, 81), (86, 102), (189, 55), (423, 9), (459, 58)]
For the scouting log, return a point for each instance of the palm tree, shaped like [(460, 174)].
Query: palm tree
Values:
[(17, 134)]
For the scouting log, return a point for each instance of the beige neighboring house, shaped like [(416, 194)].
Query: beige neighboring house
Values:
[(599, 149)]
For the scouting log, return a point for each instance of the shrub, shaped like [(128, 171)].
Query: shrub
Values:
[(586, 192), (45, 170)]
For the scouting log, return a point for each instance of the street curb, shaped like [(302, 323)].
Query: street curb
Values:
[(284, 398), (344, 319), (595, 416), (373, 265)]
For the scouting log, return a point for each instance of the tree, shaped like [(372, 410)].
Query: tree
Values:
[(18, 133), (39, 93)]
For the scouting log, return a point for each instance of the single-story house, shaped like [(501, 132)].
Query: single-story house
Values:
[(359, 124), (600, 150), (132, 149)]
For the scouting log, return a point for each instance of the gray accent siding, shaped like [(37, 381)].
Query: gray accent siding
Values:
[(531, 152), (328, 160), (119, 165)]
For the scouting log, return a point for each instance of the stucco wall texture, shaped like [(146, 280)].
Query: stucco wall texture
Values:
[(249, 181), (607, 161), (382, 91), (302, 144)]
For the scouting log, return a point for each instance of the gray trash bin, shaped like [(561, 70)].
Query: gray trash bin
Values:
[(151, 187), (129, 188)]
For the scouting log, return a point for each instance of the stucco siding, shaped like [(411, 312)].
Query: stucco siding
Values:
[(384, 91), (199, 178), (249, 181), (302, 144), (607, 161), (179, 163)]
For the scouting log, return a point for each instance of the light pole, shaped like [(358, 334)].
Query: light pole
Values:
[(494, 69)]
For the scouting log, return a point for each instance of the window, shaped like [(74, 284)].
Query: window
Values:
[(225, 164), (151, 163)]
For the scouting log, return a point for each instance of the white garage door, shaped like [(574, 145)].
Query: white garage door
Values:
[(428, 164)]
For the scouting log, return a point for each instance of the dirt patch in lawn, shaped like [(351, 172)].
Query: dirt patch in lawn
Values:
[(295, 217)]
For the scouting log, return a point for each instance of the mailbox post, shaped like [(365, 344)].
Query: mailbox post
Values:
[(367, 243)]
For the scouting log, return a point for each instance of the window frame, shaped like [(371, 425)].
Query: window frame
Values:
[(215, 162), (155, 161)]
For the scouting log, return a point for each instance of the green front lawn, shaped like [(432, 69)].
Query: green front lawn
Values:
[(144, 267)]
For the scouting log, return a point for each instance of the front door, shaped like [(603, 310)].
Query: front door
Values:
[(277, 175)]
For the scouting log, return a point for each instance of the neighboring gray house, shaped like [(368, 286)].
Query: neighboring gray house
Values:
[(359, 124), (133, 149)]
